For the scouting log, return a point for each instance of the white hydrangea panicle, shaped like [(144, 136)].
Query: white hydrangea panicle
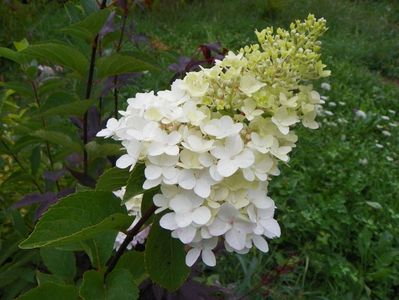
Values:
[(213, 141)]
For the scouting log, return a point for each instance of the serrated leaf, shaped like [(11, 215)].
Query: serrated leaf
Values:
[(134, 262), (117, 64), (134, 185), (57, 138), (78, 217), (118, 285), (89, 27), (51, 291), (165, 258), (59, 54), (58, 262), (75, 108), (112, 179)]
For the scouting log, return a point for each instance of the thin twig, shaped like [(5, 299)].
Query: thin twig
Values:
[(118, 48), (44, 124), (89, 86), (129, 237)]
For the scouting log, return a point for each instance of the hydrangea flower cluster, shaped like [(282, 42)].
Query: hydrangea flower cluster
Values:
[(213, 141)]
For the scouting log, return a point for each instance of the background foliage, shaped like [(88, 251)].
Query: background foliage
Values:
[(337, 198)]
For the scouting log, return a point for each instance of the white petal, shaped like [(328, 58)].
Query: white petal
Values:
[(235, 238), (180, 204), (201, 215), (272, 229), (245, 159), (152, 172), (125, 161), (202, 188), (192, 256), (226, 167), (186, 234), (208, 257), (183, 219), (148, 184), (186, 179), (218, 227), (168, 221), (155, 149), (260, 243)]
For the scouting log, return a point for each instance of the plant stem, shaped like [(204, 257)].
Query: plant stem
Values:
[(15, 157), (129, 237), (44, 124), (89, 86)]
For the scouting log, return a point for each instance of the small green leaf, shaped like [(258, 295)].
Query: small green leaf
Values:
[(134, 185), (147, 202), (112, 179), (51, 291), (12, 55), (43, 278), (21, 45), (100, 248), (89, 27), (35, 160), (133, 261), (375, 205), (92, 287), (165, 258), (117, 64), (119, 285), (58, 262), (57, 138), (78, 217), (96, 150), (75, 108), (59, 54)]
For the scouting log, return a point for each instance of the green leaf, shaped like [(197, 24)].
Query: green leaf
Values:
[(92, 287), (43, 278), (374, 205), (58, 262), (134, 185), (117, 64), (133, 261), (19, 87), (119, 285), (96, 150), (89, 27), (112, 179), (12, 55), (75, 108), (35, 159), (51, 291), (21, 45), (147, 202), (100, 248), (165, 258), (78, 217), (57, 138), (59, 54)]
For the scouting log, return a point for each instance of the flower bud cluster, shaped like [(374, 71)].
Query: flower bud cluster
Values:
[(213, 141)]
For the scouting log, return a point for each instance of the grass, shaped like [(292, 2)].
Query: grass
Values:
[(338, 197)]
